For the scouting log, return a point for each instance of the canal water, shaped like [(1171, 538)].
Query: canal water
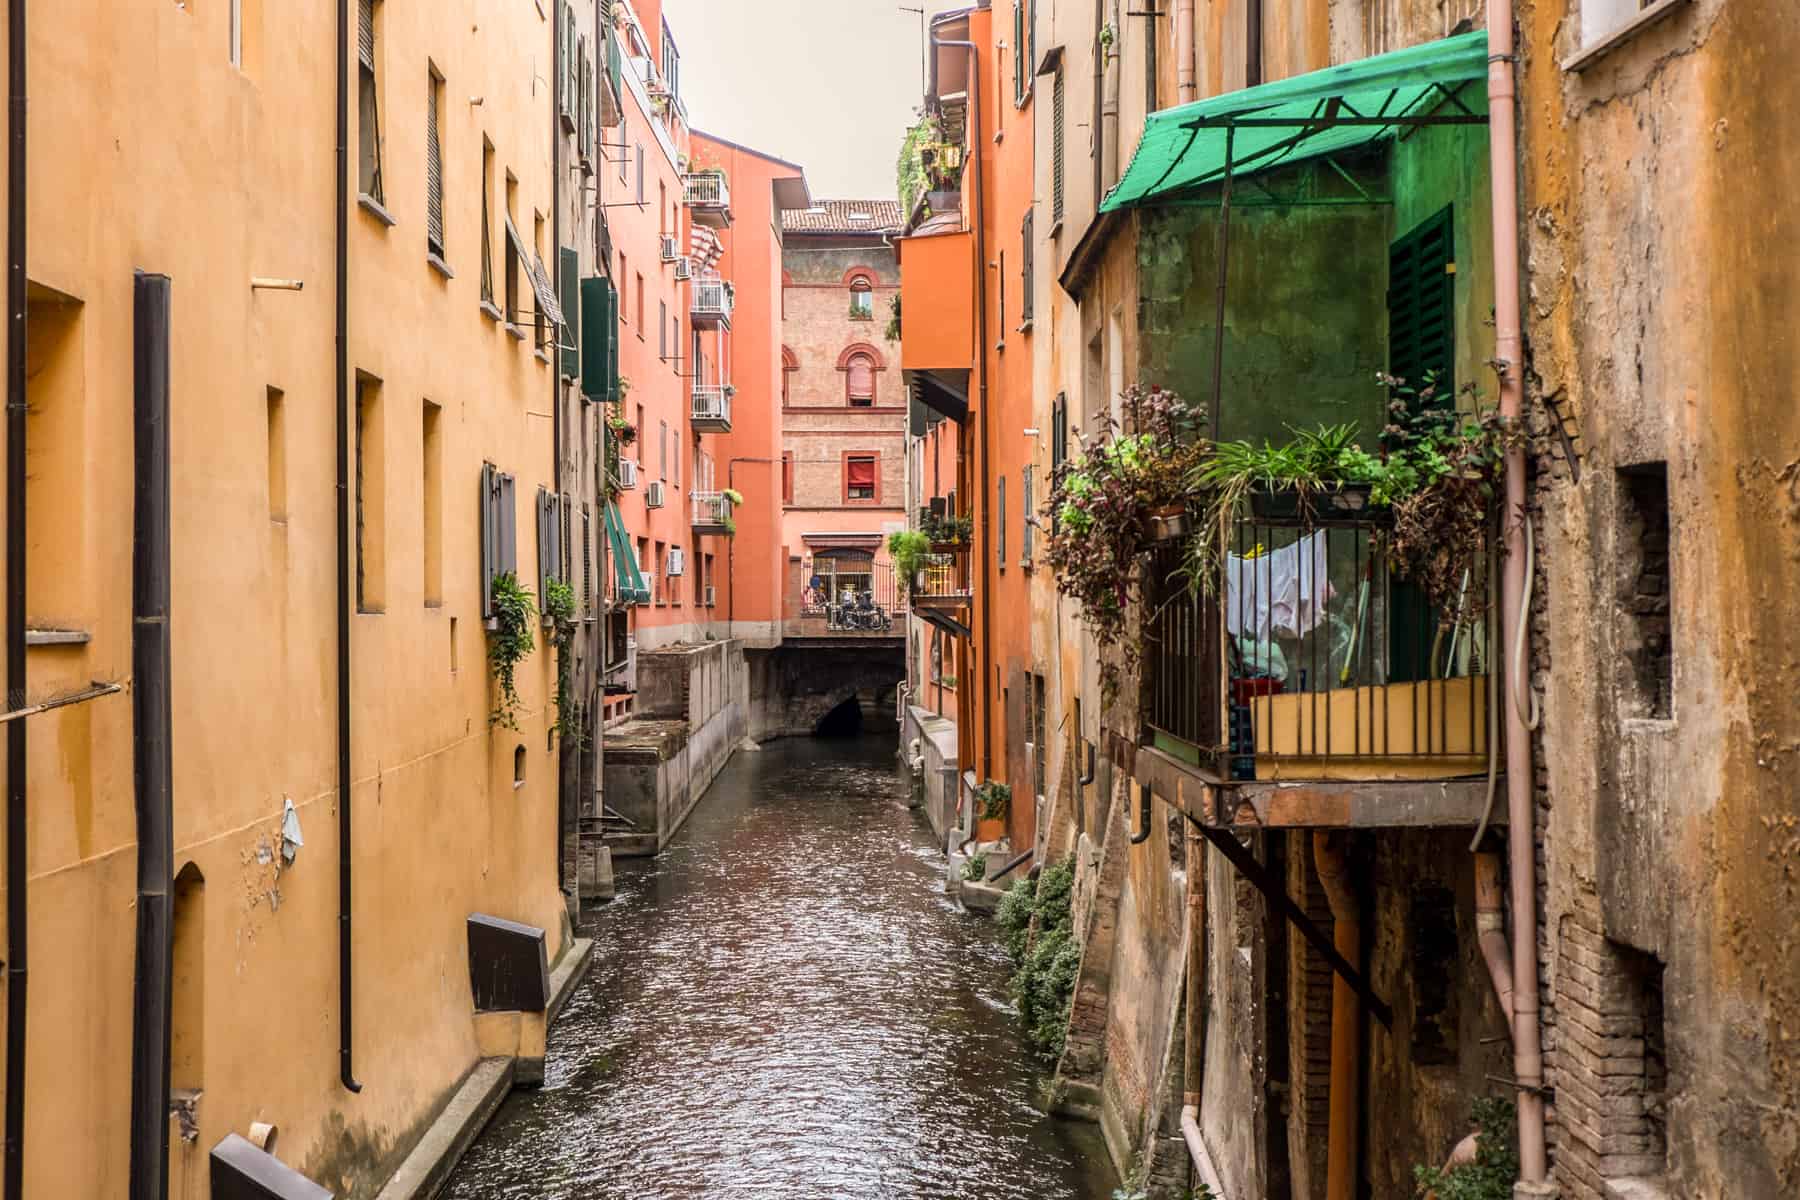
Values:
[(785, 1004)]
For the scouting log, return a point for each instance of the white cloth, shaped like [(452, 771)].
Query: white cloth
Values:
[(1284, 592)]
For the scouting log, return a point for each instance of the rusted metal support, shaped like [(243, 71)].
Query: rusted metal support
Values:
[(1276, 894), (81, 697)]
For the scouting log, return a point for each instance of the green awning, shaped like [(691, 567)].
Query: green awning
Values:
[(1309, 116), (625, 567)]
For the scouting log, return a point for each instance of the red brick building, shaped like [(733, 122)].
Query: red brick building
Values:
[(843, 404)]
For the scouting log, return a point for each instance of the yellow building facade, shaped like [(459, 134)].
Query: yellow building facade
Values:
[(198, 141)]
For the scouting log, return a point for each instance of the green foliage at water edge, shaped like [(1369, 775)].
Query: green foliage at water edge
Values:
[(1037, 922), (1496, 1165)]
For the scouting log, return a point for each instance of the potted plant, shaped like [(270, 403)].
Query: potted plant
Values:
[(908, 548), (993, 801), (1101, 507)]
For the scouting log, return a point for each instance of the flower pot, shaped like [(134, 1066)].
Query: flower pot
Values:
[(1275, 506), (989, 829), (1348, 497), (1169, 522), (945, 547)]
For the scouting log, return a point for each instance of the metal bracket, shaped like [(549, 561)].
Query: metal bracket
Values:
[(1276, 893)]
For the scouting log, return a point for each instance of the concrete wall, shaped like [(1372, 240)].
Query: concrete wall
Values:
[(1661, 279), (241, 184), (936, 740)]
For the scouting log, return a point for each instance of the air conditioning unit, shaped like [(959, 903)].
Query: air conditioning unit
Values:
[(668, 247), (628, 471), (677, 562), (684, 268), (653, 495), (712, 595)]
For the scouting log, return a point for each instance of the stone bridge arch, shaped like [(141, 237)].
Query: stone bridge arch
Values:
[(794, 685)]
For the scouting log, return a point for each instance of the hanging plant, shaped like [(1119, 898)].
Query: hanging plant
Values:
[(623, 431), (515, 612), (1101, 508), (732, 496), (559, 610)]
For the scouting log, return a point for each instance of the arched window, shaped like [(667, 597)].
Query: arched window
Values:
[(859, 381), (187, 1017), (862, 298), (789, 364)]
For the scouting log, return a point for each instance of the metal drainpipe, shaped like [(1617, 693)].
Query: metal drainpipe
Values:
[(1109, 108), (345, 1006), (17, 871), (152, 746), (1521, 835), (1187, 88), (1253, 42), (1346, 1019), (985, 659), (1194, 1033)]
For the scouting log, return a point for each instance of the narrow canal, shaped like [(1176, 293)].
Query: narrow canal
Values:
[(785, 1004)]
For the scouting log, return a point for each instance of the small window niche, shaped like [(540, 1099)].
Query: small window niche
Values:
[(1646, 642)]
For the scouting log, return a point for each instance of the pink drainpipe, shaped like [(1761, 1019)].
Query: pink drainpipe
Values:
[(1503, 143)]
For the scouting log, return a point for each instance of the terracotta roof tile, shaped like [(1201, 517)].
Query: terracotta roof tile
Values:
[(845, 216)]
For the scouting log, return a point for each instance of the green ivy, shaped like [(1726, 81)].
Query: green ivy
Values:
[(1036, 920), (996, 800), (975, 869), (515, 612), (559, 607), (1496, 1165)]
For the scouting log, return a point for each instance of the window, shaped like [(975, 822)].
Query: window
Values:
[(431, 477), (499, 532), (624, 158), (1002, 301), (1056, 147), (789, 364), (1027, 265), (540, 326), (662, 449), (513, 265), (662, 330), (787, 476), (277, 438), (662, 208), (368, 103), (1645, 643), (434, 163), (487, 231), (859, 381), (1026, 529), (658, 593), (640, 174), (862, 299), (1605, 22), (1000, 521), (1421, 303), (859, 477), (671, 65), (1021, 68), (675, 344), (237, 33), (1059, 433), (624, 287), (371, 525), (640, 303), (187, 1015)]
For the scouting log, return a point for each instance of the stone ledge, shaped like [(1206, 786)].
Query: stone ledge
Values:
[(428, 1167)]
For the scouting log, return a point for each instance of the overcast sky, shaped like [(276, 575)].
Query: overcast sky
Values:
[(829, 84)]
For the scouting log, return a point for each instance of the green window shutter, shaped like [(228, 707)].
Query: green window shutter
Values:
[(1018, 51), (600, 338), (1056, 147), (1422, 305), (568, 280)]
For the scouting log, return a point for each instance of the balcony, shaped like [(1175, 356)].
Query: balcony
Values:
[(848, 596), (712, 513), (942, 592), (709, 196), (937, 334), (712, 304), (711, 412), (1309, 662)]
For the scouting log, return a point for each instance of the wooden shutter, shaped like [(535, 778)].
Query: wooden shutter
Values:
[(434, 170), (1027, 263), (568, 297), (1056, 147), (508, 517), (599, 337), (587, 560), (490, 537), (1000, 523), (365, 32), (1025, 502), (1019, 51), (1422, 306)]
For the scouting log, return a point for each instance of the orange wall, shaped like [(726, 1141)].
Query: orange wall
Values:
[(937, 301), (749, 457)]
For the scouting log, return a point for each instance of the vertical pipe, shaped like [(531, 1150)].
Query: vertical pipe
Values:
[(345, 1006), (1218, 379), (1194, 1041), (152, 748), (1109, 107), (16, 789), (1187, 88), (1521, 834), (1253, 42), (1346, 1019)]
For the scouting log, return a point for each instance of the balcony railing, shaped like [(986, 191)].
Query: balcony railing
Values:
[(709, 195), (943, 582), (711, 513), (1308, 658), (713, 301), (711, 412), (851, 598)]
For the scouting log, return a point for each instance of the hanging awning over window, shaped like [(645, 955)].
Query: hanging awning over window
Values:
[(630, 580), (859, 472), (1310, 116)]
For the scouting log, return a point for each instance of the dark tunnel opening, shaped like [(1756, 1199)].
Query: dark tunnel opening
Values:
[(846, 720)]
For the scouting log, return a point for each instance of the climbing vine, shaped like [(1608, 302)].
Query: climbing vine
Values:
[(515, 611), (559, 607)]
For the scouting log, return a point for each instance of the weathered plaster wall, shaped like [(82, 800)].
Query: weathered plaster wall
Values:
[(1661, 285)]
